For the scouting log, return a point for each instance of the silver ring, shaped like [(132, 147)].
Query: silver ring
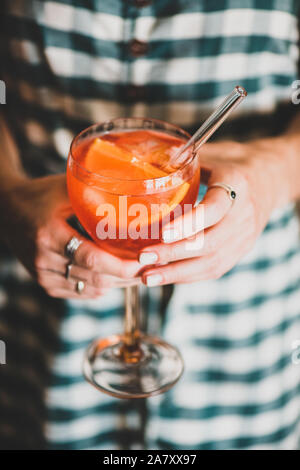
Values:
[(80, 285), (71, 247), (229, 189), (68, 270)]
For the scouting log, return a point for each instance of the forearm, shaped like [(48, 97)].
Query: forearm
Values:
[(11, 174), (11, 171), (275, 165), (291, 158)]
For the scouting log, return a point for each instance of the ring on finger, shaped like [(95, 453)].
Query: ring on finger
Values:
[(68, 269), (229, 189), (71, 247), (80, 285)]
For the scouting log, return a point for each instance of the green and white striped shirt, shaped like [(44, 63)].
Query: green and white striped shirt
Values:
[(70, 63)]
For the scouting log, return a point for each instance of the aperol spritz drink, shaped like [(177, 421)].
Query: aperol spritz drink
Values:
[(123, 188), (118, 214)]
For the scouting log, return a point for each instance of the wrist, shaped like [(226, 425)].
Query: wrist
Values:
[(272, 162), (292, 165), (9, 202), (9, 182)]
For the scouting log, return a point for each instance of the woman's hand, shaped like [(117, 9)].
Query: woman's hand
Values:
[(220, 231), (33, 223)]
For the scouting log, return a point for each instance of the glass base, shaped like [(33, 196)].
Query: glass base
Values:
[(153, 369)]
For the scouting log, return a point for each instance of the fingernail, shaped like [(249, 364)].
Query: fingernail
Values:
[(153, 280), (170, 236), (147, 258)]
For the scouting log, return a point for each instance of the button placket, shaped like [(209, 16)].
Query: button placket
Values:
[(138, 48), (135, 93)]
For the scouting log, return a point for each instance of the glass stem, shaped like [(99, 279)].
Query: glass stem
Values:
[(131, 351), (131, 332)]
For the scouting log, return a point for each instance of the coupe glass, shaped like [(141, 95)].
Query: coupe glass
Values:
[(131, 364)]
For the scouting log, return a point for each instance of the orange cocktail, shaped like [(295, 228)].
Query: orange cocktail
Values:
[(125, 183), (127, 189)]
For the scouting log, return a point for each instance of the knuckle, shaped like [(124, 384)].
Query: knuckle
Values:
[(125, 271), (43, 237), (235, 148), (40, 262), (89, 259), (97, 280), (242, 182)]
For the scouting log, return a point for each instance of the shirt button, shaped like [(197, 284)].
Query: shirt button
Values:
[(138, 48), (135, 93), (142, 3)]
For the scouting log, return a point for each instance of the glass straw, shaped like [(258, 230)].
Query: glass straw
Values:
[(214, 121)]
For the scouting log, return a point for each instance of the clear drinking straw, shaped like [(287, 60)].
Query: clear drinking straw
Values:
[(213, 122)]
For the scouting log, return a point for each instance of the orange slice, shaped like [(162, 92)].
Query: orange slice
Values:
[(108, 159)]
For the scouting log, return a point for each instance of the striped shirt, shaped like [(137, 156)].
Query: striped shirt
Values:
[(70, 63)]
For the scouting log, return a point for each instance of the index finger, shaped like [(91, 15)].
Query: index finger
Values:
[(210, 211), (89, 256)]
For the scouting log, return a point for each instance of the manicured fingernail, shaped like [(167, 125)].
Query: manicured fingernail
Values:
[(170, 236), (153, 280), (147, 258)]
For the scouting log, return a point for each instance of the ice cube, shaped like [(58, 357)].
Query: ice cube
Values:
[(92, 197)]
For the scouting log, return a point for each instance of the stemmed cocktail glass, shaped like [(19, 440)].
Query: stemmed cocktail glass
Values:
[(123, 190)]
